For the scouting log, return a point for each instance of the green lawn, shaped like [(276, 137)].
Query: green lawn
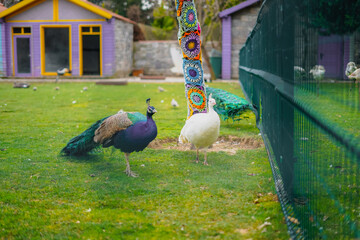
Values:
[(47, 196)]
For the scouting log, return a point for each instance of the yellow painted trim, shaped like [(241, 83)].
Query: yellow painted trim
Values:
[(21, 34), (82, 20), (44, 21), (81, 46), (91, 8), (16, 7), (21, 9), (29, 21), (56, 10), (13, 50), (42, 49), (22, 30), (13, 44)]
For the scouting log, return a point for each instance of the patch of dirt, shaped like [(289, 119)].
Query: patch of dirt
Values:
[(228, 144)]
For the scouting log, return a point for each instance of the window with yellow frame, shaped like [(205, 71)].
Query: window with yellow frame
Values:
[(55, 48)]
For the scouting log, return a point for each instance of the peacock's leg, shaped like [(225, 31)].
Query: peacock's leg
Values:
[(205, 157), (128, 171)]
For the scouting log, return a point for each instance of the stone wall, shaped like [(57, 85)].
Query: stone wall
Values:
[(123, 48), (160, 58), (242, 23)]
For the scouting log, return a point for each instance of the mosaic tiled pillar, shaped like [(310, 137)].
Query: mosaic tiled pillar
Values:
[(190, 43)]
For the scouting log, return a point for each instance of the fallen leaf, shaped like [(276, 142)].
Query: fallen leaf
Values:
[(242, 231), (293, 220)]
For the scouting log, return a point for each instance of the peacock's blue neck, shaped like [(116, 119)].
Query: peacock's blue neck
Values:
[(150, 120)]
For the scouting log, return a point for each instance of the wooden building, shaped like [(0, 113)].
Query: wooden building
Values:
[(41, 36)]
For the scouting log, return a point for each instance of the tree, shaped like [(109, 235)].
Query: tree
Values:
[(332, 17), (122, 7), (164, 23), (97, 2), (134, 13), (9, 3)]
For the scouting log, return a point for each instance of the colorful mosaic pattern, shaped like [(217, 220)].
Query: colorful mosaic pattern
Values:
[(193, 72), (190, 43), (196, 97), (188, 17)]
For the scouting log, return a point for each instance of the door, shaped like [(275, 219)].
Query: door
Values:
[(22, 55), (333, 54), (91, 54), (90, 50)]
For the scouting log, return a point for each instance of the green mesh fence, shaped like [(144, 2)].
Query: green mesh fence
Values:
[(309, 117)]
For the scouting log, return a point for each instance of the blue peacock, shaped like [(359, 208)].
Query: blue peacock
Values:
[(127, 131)]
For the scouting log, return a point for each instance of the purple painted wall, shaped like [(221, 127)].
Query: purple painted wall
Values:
[(42, 11), (107, 44), (108, 48), (68, 10), (226, 48), (346, 55), (3, 48)]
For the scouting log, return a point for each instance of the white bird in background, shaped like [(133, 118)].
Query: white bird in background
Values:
[(174, 103), (355, 76), (57, 88), (161, 89), (202, 129), (350, 68), (299, 73), (85, 88), (318, 72), (207, 77), (35, 88), (61, 72)]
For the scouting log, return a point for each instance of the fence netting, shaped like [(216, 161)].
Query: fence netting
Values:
[(293, 70)]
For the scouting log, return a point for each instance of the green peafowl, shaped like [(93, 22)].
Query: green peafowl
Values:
[(127, 131)]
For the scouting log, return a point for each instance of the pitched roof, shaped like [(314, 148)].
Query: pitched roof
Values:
[(82, 3), (115, 15), (236, 8)]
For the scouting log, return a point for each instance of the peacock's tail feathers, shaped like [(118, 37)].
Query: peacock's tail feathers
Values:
[(84, 142), (110, 126), (229, 105)]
